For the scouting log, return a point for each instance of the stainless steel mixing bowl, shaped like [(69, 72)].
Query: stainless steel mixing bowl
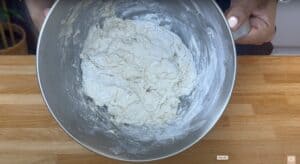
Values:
[(202, 27)]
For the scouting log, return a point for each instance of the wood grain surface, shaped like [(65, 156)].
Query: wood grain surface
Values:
[(260, 126)]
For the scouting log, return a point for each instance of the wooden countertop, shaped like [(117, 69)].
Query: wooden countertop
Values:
[(261, 124)]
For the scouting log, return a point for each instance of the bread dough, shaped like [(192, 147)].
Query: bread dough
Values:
[(137, 70)]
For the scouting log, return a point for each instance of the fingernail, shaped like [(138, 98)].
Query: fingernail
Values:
[(233, 21)]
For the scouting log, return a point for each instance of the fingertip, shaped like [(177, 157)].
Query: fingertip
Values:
[(46, 11), (236, 16)]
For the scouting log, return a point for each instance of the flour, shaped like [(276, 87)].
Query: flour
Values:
[(137, 70)]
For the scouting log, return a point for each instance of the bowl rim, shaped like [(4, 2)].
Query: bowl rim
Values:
[(210, 126)]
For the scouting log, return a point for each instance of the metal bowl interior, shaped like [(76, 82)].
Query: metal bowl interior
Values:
[(201, 26)]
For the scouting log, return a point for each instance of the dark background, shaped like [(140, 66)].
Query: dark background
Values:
[(32, 33)]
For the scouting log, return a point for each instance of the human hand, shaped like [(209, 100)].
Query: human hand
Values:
[(261, 15), (38, 10)]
